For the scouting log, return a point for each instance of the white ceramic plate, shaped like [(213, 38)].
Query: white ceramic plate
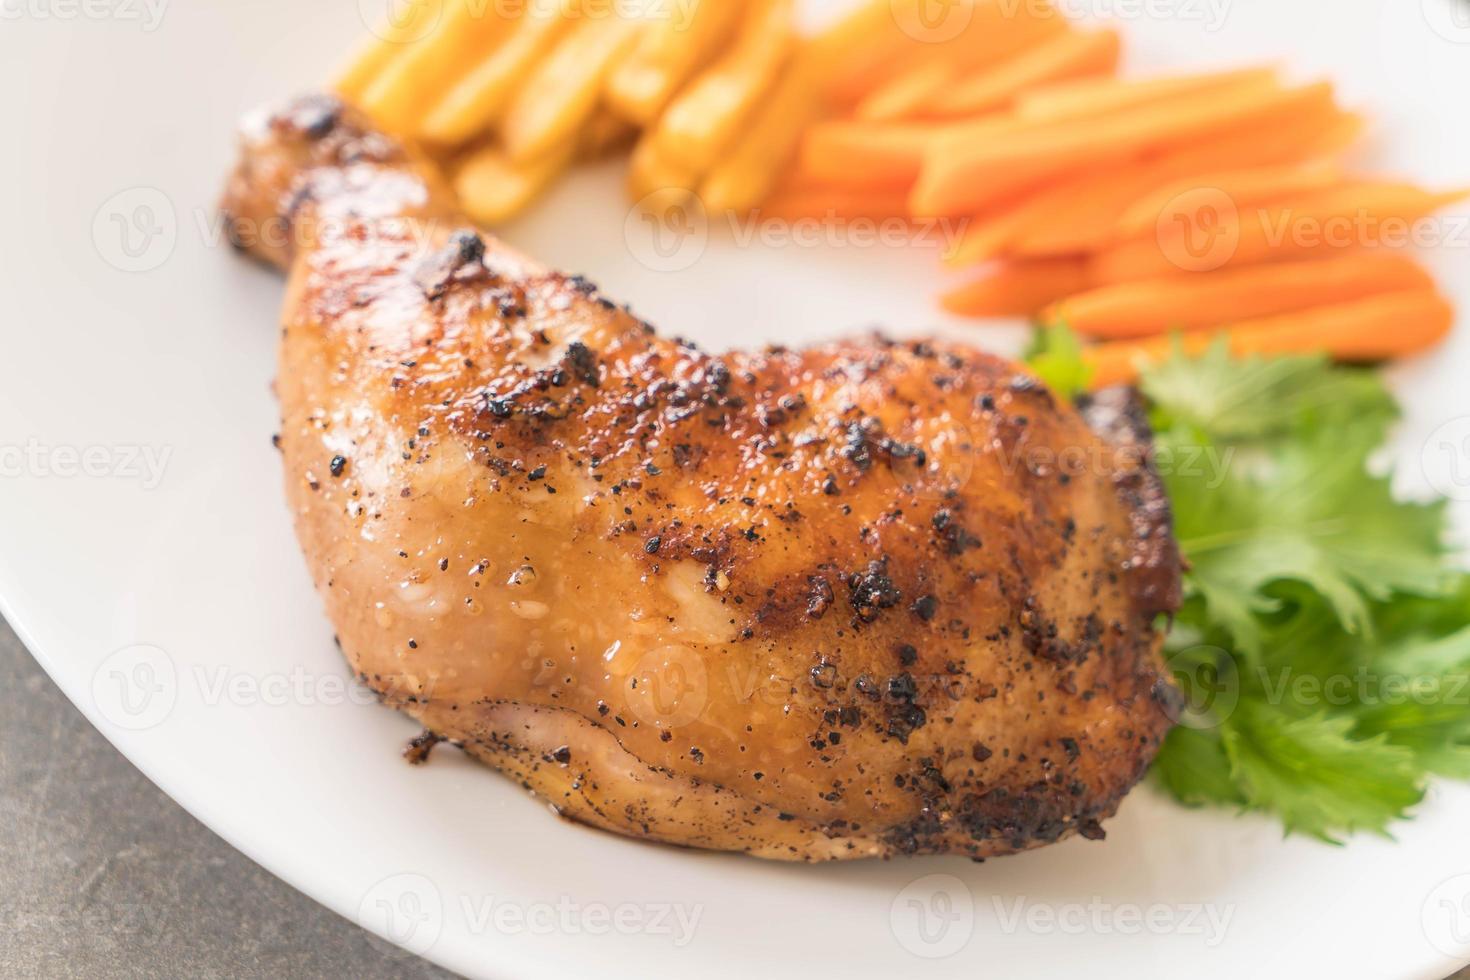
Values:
[(146, 557)]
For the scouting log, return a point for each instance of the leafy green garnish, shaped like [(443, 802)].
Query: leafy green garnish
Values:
[(1323, 645), (1056, 357)]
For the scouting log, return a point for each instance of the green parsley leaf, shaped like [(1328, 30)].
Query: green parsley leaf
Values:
[(1056, 357), (1314, 775), (1250, 399), (1325, 621), (1311, 513)]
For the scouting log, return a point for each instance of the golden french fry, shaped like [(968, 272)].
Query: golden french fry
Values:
[(604, 133), (704, 118), (478, 99), (388, 41), (668, 53), (561, 92), (652, 176), (745, 177), (492, 188), (397, 96)]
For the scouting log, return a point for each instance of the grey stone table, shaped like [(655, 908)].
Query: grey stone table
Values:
[(101, 875)]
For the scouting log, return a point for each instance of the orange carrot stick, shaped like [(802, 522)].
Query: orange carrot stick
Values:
[(1071, 55), (1089, 97), (833, 205), (964, 178), (1004, 33), (848, 152), (1017, 288), (1081, 214), (1211, 234), (1156, 306), (1372, 329), (1086, 215), (883, 39), (1259, 185)]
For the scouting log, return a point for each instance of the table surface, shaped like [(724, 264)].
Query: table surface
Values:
[(102, 875)]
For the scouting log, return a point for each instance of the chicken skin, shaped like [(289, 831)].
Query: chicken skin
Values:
[(864, 599)]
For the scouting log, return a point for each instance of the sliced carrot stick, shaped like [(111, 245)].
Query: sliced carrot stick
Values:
[(1156, 306), (705, 117), (1372, 329), (848, 152), (478, 99), (1085, 98), (1071, 55), (998, 31), (885, 38), (1259, 185), (1017, 288), (989, 236), (1088, 218), (1318, 226), (748, 172), (669, 53), (964, 179), (1080, 214), (833, 205)]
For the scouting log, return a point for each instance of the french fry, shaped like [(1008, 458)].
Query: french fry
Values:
[(1085, 98), (1372, 329), (1017, 288), (652, 176), (492, 188), (561, 93), (1156, 306), (478, 99), (1070, 55), (965, 179), (387, 43), (425, 69), (746, 175), (704, 118), (667, 54)]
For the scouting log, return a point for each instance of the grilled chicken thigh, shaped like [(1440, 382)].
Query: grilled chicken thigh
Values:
[(857, 600)]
